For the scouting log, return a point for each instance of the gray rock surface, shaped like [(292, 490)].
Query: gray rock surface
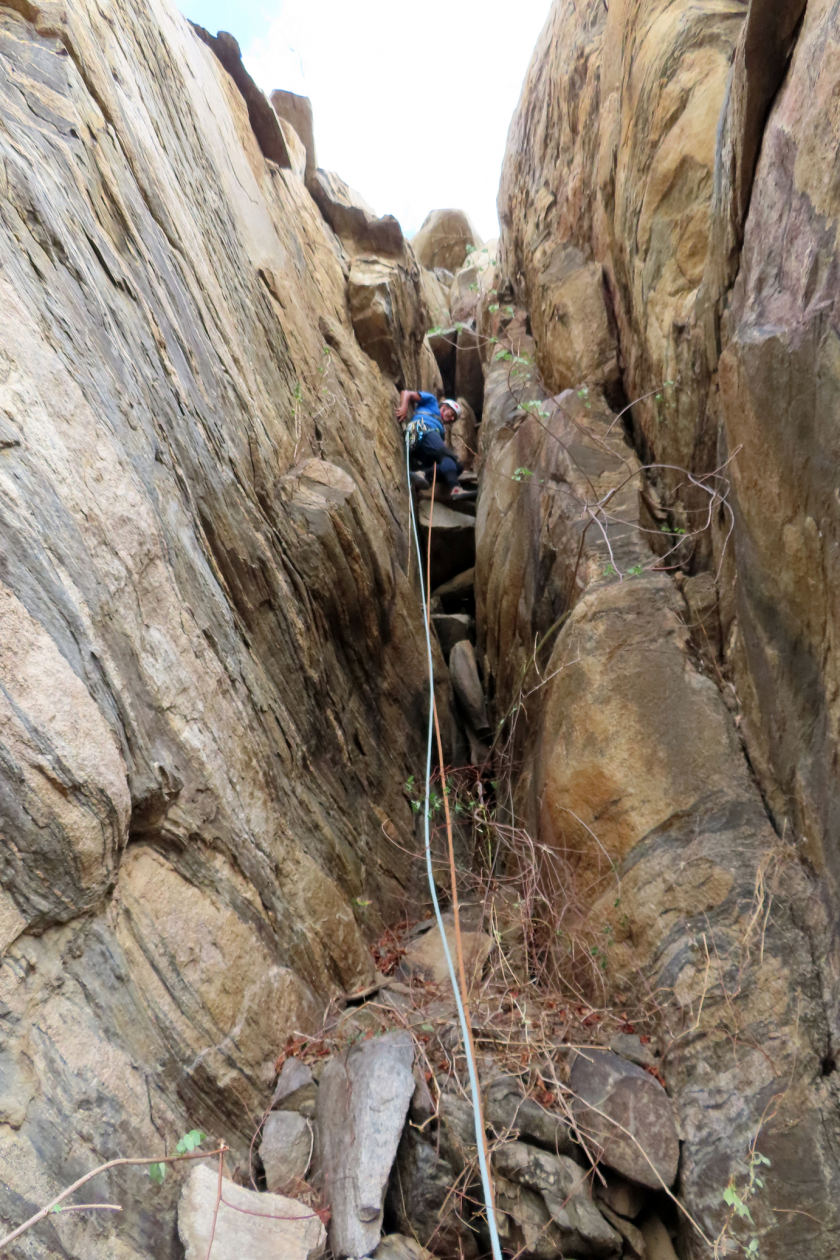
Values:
[(621, 1196), (467, 686), (453, 539), (626, 1118), (635, 1247), (285, 1151), (421, 1201), (294, 1075), (511, 1114), (564, 1187), (363, 1100), (452, 628), (248, 1225)]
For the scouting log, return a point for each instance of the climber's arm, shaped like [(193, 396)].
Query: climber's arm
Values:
[(407, 397)]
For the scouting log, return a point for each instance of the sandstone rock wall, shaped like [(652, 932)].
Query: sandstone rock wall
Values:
[(669, 225), (212, 663), (676, 155)]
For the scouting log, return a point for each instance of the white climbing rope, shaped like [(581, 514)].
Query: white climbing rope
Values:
[(471, 1068)]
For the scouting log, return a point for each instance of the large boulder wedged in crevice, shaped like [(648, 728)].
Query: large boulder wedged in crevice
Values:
[(445, 239)]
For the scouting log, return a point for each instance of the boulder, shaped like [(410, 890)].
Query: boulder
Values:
[(444, 240), (564, 1187), (425, 960), (451, 628), (285, 1151), (389, 318), (358, 227), (467, 686), (626, 1118), (510, 1114), (297, 112), (294, 1075), (363, 1100), (453, 540), (259, 1226)]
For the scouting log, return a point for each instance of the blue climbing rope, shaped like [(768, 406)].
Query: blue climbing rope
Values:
[(471, 1068)]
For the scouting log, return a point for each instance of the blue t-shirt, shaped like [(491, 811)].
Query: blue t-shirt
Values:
[(428, 411)]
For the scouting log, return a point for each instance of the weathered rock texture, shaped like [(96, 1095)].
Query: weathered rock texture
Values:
[(669, 224), (212, 663)]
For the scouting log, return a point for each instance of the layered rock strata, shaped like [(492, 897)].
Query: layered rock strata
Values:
[(668, 225), (213, 665)]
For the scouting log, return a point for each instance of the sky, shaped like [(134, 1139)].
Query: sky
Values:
[(412, 101)]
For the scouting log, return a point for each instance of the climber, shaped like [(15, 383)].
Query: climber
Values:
[(427, 445)]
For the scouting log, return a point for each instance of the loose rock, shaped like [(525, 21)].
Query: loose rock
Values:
[(453, 540), (452, 628), (645, 1147), (563, 1185), (285, 1150), (424, 958), (294, 1075), (467, 685), (421, 1201), (511, 1114), (256, 1226), (362, 1104)]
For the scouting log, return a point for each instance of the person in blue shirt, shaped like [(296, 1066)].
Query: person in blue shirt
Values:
[(427, 440)]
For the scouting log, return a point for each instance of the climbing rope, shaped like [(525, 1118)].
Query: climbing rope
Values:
[(460, 1000)]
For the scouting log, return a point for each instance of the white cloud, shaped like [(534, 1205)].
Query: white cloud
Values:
[(412, 102)]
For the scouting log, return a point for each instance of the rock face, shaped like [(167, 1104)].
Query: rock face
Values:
[(666, 217), (213, 665)]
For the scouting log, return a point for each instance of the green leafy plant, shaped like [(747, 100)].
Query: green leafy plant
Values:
[(186, 1145), (521, 474), (738, 1201)]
